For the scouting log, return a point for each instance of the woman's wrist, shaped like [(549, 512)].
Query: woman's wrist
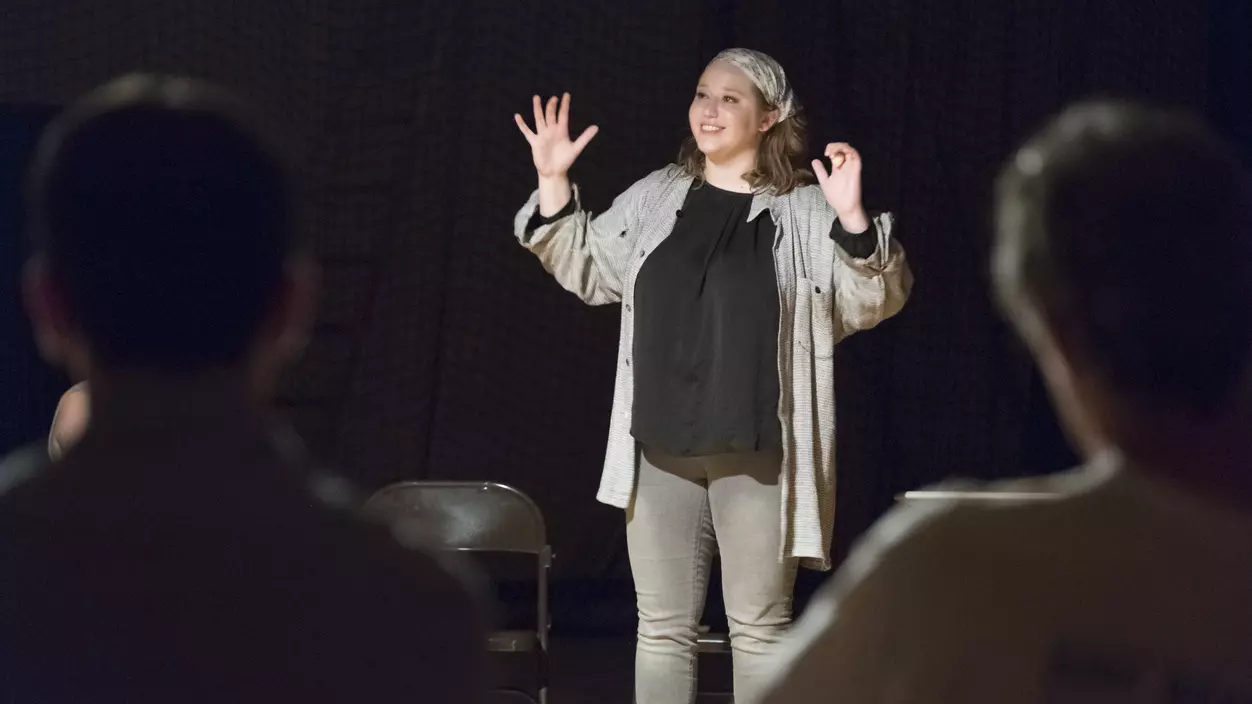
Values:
[(554, 193), (854, 222)]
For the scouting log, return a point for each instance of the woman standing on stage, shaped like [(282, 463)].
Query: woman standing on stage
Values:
[(736, 280)]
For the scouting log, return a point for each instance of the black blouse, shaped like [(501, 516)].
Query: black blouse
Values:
[(706, 331), (706, 328)]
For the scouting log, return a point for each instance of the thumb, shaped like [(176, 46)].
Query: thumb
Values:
[(585, 138)]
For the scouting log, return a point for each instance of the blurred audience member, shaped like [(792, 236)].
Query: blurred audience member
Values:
[(1124, 258), (69, 421), (186, 550)]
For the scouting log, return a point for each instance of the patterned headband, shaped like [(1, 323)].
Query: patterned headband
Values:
[(768, 76)]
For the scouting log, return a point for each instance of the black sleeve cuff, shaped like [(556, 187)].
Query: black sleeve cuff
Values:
[(860, 245), (568, 210), (538, 220)]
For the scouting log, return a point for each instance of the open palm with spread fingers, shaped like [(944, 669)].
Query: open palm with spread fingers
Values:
[(550, 145)]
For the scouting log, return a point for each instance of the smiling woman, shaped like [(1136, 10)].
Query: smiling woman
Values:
[(733, 125), (722, 430)]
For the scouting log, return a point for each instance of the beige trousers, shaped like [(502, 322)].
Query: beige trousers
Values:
[(683, 508)]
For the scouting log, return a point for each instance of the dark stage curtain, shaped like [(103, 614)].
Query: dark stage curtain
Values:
[(444, 351)]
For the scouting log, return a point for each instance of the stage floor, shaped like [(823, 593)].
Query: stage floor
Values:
[(600, 670)]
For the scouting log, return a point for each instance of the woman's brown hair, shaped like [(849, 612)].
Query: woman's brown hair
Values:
[(778, 156)]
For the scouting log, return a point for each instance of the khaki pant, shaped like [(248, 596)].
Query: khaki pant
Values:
[(682, 509)]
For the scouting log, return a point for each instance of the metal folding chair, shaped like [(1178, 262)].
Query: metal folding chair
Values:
[(484, 518), (975, 495), (714, 680)]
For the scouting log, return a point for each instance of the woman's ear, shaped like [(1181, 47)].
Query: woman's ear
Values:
[(769, 120)]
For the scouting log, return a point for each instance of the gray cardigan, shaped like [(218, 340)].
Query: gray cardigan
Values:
[(825, 295)]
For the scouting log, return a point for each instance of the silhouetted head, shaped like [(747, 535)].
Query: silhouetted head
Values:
[(1124, 255), (164, 235)]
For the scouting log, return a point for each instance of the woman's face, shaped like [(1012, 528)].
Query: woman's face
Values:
[(727, 115)]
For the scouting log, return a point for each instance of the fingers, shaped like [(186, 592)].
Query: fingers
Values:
[(563, 113), (585, 138), (835, 147), (539, 121), (841, 153), (550, 113), (521, 125), (555, 114)]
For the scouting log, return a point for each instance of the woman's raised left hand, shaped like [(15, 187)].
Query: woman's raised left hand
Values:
[(842, 185)]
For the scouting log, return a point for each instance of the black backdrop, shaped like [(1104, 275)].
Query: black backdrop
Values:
[(442, 348)]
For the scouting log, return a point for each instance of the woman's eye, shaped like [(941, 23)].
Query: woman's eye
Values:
[(730, 99)]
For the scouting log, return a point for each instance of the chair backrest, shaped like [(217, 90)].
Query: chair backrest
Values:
[(483, 516)]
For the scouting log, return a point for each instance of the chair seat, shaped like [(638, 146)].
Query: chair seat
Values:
[(513, 641), (510, 696), (713, 643)]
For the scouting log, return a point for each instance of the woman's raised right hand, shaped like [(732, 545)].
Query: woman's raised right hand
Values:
[(550, 145)]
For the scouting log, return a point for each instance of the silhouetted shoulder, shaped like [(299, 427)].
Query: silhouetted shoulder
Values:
[(20, 467), (948, 529)]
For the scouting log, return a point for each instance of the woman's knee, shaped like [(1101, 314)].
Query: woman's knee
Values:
[(675, 632)]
